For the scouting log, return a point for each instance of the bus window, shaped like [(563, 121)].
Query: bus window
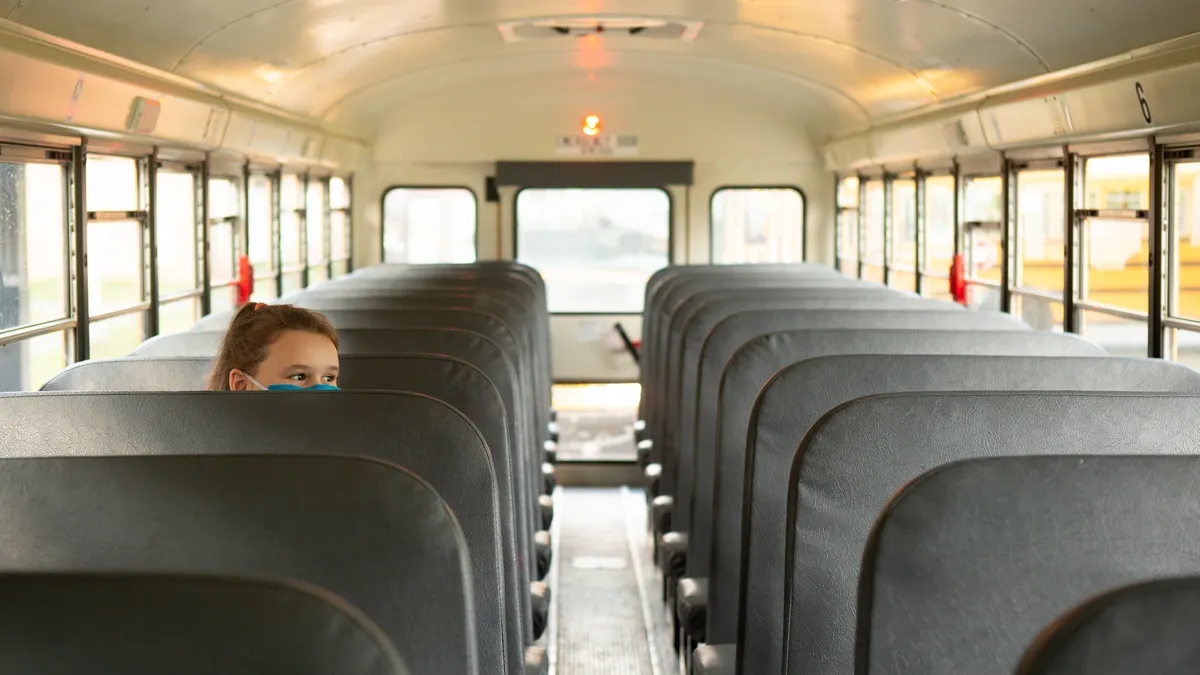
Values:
[(873, 233), (116, 283), (1118, 182), (939, 237), (339, 226), (318, 256), (757, 225), (847, 226), (175, 217), (983, 241), (1116, 249), (33, 272), (224, 242), (115, 287), (291, 233), (27, 364), (114, 265), (33, 245), (1041, 237), (595, 247), (429, 225), (116, 336), (1118, 335), (902, 264), (112, 183), (1184, 344), (262, 238), (1116, 264)]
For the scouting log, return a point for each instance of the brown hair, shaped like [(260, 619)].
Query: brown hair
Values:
[(253, 329)]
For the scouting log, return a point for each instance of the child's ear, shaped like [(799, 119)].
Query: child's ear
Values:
[(237, 380)]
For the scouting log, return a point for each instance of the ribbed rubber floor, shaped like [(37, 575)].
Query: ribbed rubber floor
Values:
[(602, 622)]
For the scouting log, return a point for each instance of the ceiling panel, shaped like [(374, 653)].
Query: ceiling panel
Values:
[(1067, 33), (154, 32), (627, 80), (874, 58)]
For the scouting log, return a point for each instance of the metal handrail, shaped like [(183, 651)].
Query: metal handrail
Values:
[(1118, 312), (15, 335), (143, 307)]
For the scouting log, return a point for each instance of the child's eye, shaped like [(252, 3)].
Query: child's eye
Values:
[(299, 377), (330, 379)]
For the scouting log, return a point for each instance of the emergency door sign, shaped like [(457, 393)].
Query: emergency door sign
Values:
[(602, 145)]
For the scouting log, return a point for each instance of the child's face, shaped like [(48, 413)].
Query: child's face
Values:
[(296, 357)]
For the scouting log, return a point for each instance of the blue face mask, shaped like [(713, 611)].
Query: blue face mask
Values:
[(290, 387)]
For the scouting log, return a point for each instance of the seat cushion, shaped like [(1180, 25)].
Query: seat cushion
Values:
[(539, 604), (672, 560), (660, 512), (536, 662), (714, 660), (691, 606)]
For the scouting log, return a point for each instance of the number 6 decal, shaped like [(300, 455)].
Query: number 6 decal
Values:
[(1141, 94)]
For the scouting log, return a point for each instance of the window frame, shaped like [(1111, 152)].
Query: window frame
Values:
[(147, 192), (864, 224), (838, 211), (738, 186), (18, 153), (439, 186), (925, 273), (272, 177), (891, 262), (325, 263), (670, 231), (966, 227), (237, 222), (198, 290), (348, 212), (1174, 322), (1081, 213), (301, 214)]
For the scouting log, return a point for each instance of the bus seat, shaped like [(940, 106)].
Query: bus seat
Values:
[(425, 334), (368, 531), (796, 398), (184, 624), (424, 435), (662, 301), (736, 330), (446, 379), (680, 408), (509, 295), (991, 550), (664, 367), (885, 441), (1147, 627), (726, 403)]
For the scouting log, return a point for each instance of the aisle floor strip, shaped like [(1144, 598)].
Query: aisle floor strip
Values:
[(602, 621)]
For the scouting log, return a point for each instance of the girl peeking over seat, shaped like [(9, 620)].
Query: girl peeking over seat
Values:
[(276, 348)]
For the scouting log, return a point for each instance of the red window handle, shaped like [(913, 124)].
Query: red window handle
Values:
[(245, 285), (958, 281)]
